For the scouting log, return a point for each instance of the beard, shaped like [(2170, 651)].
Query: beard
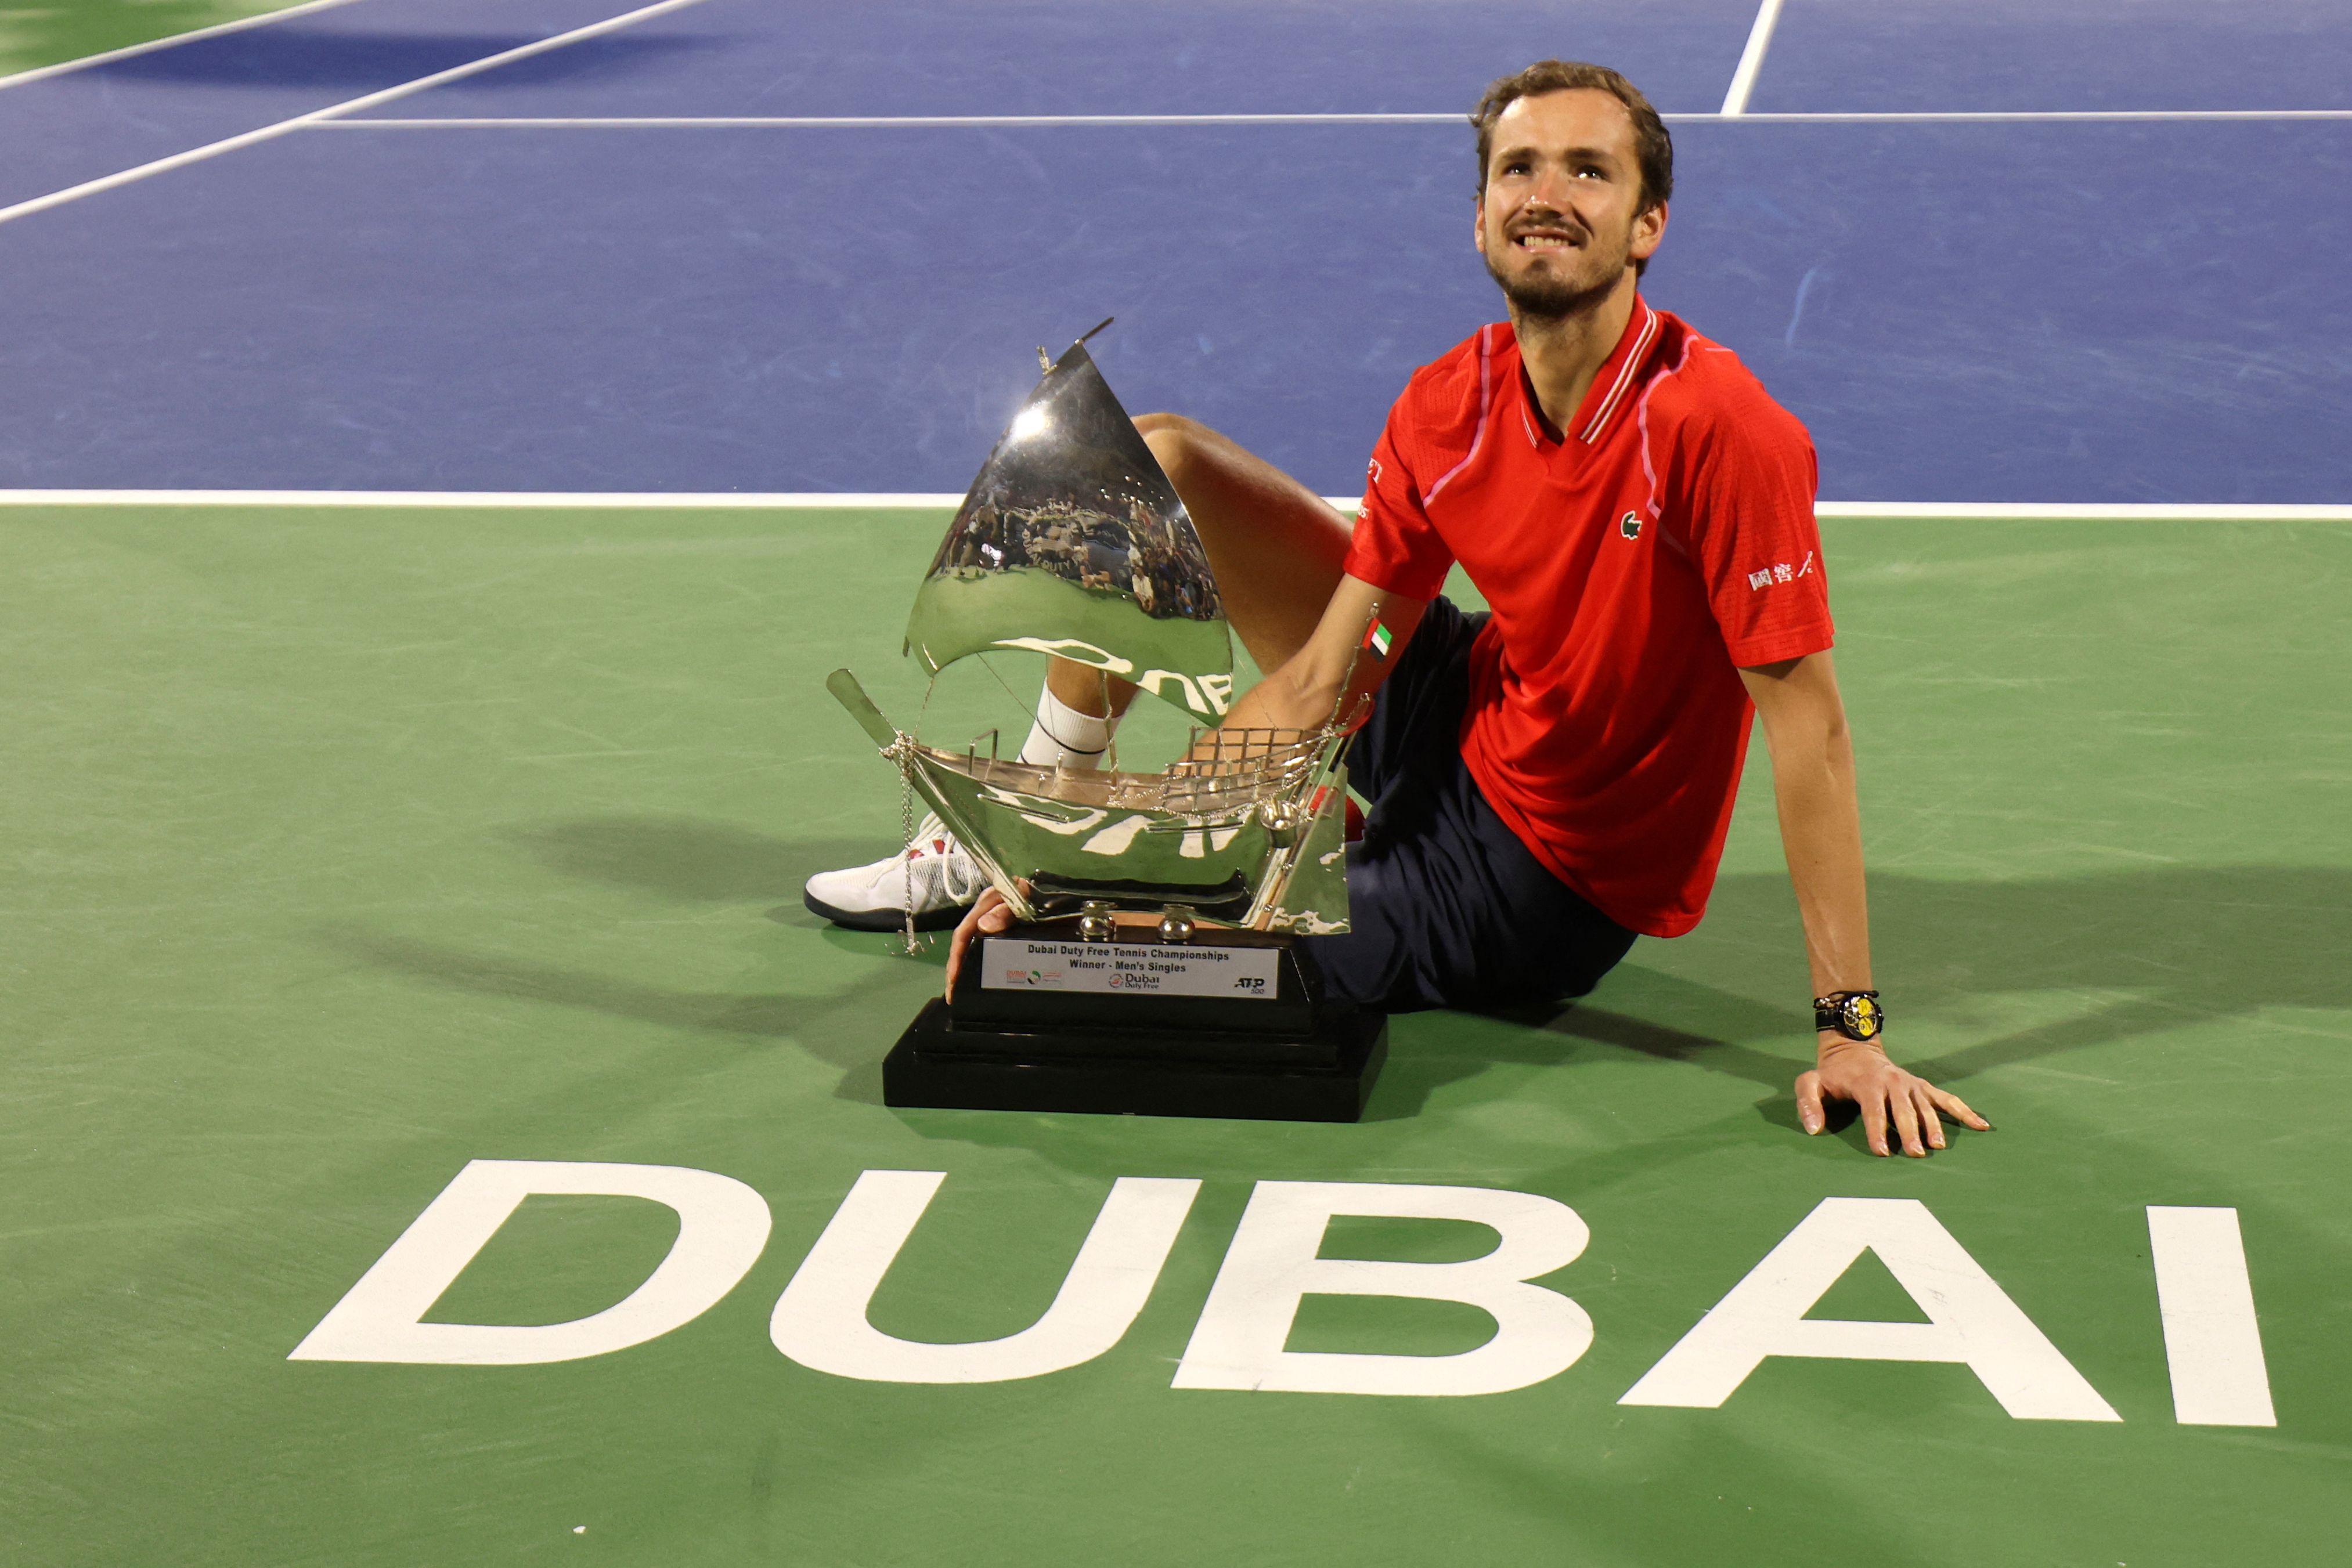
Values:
[(1549, 296)]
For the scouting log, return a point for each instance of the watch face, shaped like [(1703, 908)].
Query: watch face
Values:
[(1862, 1018)]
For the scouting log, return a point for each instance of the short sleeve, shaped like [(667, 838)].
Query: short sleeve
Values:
[(1395, 546), (1754, 536)]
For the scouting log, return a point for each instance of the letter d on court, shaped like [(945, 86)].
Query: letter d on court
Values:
[(1271, 1265), (722, 1226)]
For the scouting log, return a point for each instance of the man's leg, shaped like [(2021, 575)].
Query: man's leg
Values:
[(1276, 548), (1274, 545)]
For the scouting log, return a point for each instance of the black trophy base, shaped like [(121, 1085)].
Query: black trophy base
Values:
[(959, 1067), (1280, 1053)]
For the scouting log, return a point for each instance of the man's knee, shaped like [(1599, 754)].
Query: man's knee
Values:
[(1174, 440), (1152, 425)]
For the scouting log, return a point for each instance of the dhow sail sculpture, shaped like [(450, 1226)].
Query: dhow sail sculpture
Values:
[(1073, 543)]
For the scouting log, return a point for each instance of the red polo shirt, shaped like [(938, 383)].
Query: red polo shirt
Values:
[(1633, 567)]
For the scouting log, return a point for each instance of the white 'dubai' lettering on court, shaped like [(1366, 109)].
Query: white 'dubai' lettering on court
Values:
[(2211, 1341), (2212, 1336), (1272, 1265), (722, 1227), (820, 1319), (1971, 1320)]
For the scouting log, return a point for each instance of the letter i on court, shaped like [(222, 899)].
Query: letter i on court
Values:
[(2212, 1343)]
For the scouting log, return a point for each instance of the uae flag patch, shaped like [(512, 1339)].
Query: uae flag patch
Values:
[(1377, 638)]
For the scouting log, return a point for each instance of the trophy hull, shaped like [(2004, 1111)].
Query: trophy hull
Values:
[(1254, 838), (1232, 1025), (1121, 839)]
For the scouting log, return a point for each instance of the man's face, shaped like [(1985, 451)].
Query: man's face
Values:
[(1558, 224)]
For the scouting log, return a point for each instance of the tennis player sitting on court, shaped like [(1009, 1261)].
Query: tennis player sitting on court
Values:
[(1554, 777)]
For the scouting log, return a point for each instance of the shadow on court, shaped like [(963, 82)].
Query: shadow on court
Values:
[(2158, 949), (686, 858), (2151, 949), (687, 861)]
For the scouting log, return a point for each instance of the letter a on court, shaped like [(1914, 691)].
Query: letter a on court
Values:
[(1971, 1318)]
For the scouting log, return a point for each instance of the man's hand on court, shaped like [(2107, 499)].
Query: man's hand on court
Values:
[(1859, 1070), (990, 916)]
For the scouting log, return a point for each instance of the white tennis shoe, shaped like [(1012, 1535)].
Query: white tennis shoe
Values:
[(933, 874)]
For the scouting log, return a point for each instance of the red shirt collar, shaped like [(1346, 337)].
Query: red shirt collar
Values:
[(1612, 387)]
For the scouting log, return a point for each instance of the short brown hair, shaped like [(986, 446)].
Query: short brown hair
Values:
[(1654, 150)]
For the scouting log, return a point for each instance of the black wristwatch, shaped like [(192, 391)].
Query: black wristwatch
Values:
[(1853, 1014)]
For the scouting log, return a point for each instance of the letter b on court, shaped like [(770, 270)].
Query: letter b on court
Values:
[(1272, 1265)]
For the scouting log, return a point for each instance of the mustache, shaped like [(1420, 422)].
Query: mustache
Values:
[(1543, 221)]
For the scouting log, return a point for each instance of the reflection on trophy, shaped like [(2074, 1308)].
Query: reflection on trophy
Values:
[(1153, 967)]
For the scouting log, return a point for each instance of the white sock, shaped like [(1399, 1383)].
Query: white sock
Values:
[(1064, 738)]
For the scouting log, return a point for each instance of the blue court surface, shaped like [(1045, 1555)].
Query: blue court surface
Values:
[(445, 444), (1969, 291)]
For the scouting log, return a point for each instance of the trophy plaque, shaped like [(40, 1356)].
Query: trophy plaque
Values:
[(1152, 968)]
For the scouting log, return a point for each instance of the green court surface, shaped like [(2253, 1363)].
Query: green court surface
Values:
[(349, 845), (32, 36)]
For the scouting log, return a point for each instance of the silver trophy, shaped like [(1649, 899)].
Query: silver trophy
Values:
[(1073, 543)]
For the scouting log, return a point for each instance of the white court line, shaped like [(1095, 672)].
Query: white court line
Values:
[(880, 121), (1751, 59), (369, 100), (802, 501), (62, 67), (1995, 116), (926, 121), (2091, 511), (568, 500)]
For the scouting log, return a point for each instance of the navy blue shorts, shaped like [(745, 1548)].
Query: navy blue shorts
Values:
[(1446, 907)]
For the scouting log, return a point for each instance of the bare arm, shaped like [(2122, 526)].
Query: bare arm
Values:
[(1821, 823), (1820, 832), (1326, 679)]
